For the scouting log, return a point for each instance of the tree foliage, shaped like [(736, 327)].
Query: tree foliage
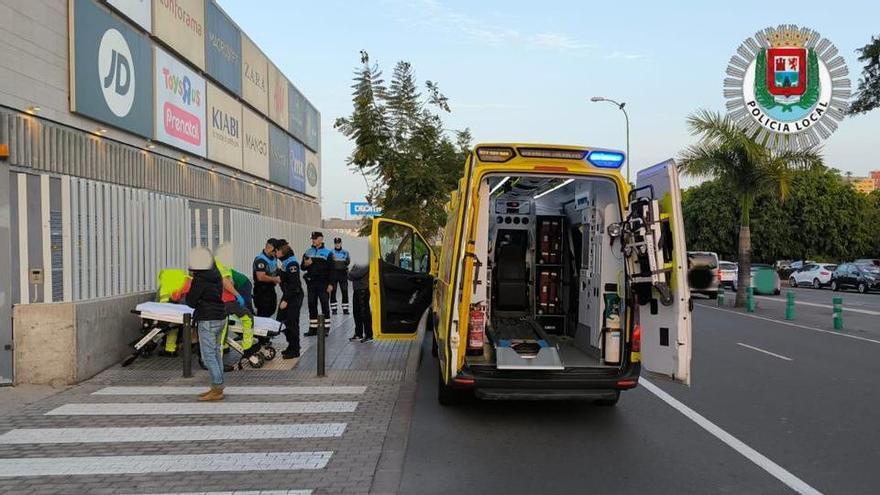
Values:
[(823, 218), (868, 94), (401, 147)]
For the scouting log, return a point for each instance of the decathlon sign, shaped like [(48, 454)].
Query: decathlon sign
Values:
[(363, 209), (110, 69)]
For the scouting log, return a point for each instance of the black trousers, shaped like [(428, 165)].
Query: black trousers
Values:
[(340, 282), (363, 327), (265, 301), (290, 317), (318, 293)]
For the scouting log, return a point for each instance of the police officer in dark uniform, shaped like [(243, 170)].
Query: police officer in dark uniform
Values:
[(318, 265), (341, 260), (291, 298), (265, 279)]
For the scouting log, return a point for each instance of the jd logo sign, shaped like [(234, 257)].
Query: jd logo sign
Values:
[(116, 72), (788, 85)]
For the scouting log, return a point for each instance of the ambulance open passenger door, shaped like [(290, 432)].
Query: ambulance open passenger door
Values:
[(401, 280), (666, 329)]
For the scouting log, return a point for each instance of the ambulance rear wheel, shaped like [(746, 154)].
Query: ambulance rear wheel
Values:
[(610, 402), (448, 396)]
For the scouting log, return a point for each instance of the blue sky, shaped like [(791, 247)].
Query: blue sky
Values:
[(524, 71)]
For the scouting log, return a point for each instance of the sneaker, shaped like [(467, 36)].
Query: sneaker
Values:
[(367, 339), (353, 338), (290, 355), (214, 394)]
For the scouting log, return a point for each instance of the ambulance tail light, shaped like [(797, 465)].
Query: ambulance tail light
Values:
[(476, 331), (637, 338)]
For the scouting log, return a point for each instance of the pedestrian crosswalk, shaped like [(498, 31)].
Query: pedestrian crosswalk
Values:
[(129, 401)]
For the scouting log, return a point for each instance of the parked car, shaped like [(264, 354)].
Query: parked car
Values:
[(868, 261), (816, 275), (863, 278), (729, 271), (764, 279), (799, 265), (704, 276)]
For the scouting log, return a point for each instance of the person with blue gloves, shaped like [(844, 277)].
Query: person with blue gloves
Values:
[(341, 260)]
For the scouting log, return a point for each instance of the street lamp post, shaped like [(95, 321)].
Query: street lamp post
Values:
[(626, 117)]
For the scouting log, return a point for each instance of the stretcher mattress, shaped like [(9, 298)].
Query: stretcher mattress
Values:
[(173, 313)]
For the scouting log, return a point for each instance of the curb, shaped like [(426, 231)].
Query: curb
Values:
[(389, 469)]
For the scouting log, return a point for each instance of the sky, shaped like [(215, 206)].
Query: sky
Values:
[(524, 71)]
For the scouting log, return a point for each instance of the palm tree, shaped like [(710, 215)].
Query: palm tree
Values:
[(729, 154)]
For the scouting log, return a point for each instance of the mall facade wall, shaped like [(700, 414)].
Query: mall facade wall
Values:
[(130, 131)]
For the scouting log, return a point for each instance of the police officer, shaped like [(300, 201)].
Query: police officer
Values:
[(341, 260), (318, 265), (265, 279), (291, 299)]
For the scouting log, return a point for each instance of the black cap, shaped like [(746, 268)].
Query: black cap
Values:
[(317, 234), (271, 241), (337, 240)]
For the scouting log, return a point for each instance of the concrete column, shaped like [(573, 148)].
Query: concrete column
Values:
[(5, 279)]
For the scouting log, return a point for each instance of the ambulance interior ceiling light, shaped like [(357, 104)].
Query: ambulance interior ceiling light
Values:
[(498, 186), (557, 186), (606, 159)]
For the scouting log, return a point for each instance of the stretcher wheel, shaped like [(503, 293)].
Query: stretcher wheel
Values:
[(256, 361), (269, 353)]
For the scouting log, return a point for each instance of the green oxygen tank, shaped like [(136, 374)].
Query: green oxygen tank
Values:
[(611, 333)]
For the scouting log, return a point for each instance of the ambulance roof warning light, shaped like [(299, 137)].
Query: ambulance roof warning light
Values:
[(606, 159)]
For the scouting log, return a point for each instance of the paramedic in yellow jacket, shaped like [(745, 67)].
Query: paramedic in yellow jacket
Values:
[(234, 301), (171, 283)]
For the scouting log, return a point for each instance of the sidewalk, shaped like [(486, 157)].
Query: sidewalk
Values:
[(139, 430)]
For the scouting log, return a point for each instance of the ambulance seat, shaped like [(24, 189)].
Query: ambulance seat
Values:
[(511, 274)]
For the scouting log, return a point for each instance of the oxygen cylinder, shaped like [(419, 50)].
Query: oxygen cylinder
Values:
[(611, 340)]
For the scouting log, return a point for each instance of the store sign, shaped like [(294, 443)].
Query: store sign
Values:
[(255, 158), (297, 166), (254, 75), (110, 70), (279, 154), (363, 209), (313, 174), (296, 113), (313, 128), (181, 24), (224, 127), (180, 104), (222, 48), (278, 85), (139, 11)]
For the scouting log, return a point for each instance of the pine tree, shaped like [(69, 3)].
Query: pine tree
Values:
[(868, 94)]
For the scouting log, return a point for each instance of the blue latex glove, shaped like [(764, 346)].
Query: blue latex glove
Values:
[(239, 300)]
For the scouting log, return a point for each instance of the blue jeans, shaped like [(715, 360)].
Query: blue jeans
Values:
[(211, 347)]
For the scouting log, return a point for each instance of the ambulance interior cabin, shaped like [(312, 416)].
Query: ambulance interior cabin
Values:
[(552, 279)]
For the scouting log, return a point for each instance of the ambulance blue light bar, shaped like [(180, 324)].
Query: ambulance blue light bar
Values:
[(606, 159)]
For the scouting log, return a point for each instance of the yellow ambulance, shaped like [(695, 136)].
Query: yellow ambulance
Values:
[(555, 279)]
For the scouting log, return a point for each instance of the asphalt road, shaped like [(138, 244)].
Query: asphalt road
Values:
[(802, 397)]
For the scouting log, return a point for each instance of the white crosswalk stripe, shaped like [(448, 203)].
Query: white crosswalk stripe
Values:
[(325, 390), (140, 464), (170, 433), (196, 408), (249, 492)]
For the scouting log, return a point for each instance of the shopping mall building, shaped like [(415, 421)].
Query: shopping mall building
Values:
[(131, 130)]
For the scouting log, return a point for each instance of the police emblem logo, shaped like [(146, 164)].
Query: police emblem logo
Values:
[(788, 86)]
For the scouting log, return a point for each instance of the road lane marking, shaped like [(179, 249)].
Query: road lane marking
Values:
[(161, 390), (765, 352), (146, 464), (170, 433), (169, 408), (246, 492), (793, 324), (826, 306), (749, 453)]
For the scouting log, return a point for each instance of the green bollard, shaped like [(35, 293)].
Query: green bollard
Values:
[(720, 299), (750, 299), (789, 305), (837, 313)]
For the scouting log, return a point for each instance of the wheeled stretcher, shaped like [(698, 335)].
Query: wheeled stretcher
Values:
[(159, 318)]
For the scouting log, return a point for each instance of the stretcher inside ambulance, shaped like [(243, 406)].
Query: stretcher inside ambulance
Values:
[(554, 280)]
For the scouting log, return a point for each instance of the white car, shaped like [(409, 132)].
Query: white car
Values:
[(815, 275), (729, 271)]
